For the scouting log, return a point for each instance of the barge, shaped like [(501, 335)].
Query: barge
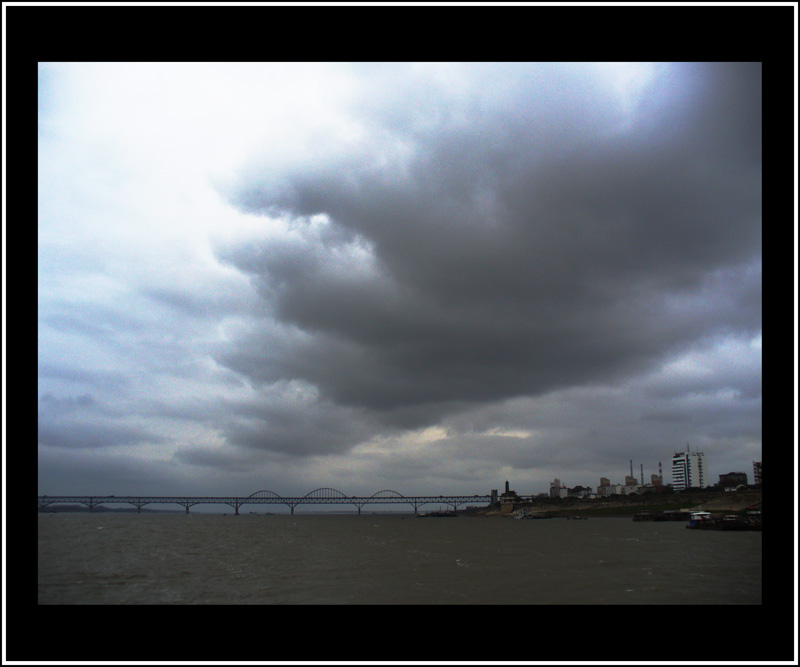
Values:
[(708, 521), (647, 515)]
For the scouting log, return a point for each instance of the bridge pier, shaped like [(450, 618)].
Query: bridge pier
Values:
[(186, 504)]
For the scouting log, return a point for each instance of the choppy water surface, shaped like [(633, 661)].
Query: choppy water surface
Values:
[(388, 559)]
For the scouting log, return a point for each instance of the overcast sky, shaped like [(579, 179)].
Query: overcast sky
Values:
[(430, 278)]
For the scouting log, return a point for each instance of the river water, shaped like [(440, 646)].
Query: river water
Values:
[(210, 559)]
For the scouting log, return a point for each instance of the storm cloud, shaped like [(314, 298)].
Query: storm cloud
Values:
[(416, 274), (520, 247)]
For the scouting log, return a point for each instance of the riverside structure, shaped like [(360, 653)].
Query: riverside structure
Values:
[(321, 496)]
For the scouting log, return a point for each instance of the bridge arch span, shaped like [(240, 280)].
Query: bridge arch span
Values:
[(264, 493), (324, 493), (387, 493), (327, 495), (266, 496), (391, 495)]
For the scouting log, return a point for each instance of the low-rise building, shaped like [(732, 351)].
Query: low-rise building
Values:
[(732, 480), (609, 489)]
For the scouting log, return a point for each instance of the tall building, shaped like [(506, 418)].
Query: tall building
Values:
[(757, 473), (688, 470), (557, 489), (508, 496)]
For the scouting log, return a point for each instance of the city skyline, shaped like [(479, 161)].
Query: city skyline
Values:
[(405, 276)]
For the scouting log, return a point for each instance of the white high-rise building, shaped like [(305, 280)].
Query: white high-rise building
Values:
[(757, 473), (688, 470)]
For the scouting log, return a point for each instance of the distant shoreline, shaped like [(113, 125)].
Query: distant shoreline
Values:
[(627, 506)]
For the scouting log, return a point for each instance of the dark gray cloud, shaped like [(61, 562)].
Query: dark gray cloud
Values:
[(530, 239), (293, 420), (90, 432)]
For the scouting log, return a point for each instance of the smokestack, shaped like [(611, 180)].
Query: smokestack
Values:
[(641, 472), (631, 467)]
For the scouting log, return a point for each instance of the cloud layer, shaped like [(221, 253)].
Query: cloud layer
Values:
[(406, 274)]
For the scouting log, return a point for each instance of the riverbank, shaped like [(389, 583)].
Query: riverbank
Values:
[(627, 506)]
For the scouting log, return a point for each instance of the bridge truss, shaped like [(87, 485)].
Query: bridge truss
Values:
[(321, 496)]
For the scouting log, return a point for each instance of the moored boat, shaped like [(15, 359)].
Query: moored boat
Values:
[(700, 520), (753, 519), (734, 522), (708, 521), (754, 524)]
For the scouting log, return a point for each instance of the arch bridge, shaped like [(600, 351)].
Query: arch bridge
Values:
[(320, 496)]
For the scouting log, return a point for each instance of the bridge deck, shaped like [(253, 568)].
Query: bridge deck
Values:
[(318, 497)]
